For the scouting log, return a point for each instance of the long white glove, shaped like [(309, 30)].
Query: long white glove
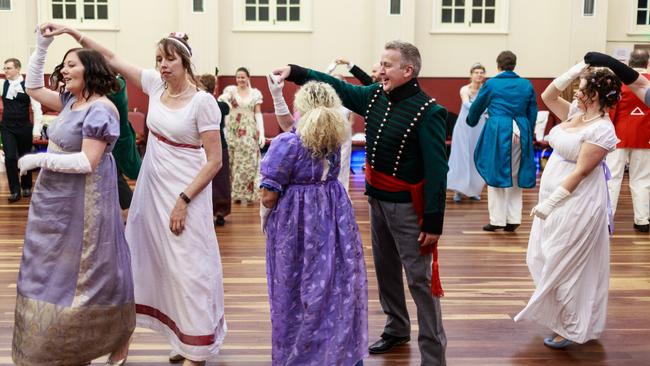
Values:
[(260, 129), (275, 87), (563, 81), (35, 68), (544, 208), (76, 163), (264, 215)]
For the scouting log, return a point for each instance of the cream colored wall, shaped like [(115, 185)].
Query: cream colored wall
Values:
[(16, 38), (548, 36), (341, 28), (619, 26)]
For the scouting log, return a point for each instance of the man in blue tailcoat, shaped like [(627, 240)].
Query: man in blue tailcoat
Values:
[(504, 153)]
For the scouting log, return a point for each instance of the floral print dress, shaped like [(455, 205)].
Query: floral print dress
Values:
[(242, 136)]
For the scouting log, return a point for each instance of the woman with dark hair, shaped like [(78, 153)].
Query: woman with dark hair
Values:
[(245, 135), (463, 178), (75, 289), (568, 249), (176, 262)]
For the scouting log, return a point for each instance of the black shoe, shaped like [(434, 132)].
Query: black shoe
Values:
[(511, 227), (490, 227), (642, 228), (219, 221), (386, 343), (27, 192), (14, 197)]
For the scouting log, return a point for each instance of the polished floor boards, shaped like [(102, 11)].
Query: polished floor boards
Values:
[(484, 275)]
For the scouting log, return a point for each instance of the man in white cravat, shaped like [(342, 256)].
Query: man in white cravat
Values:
[(16, 128)]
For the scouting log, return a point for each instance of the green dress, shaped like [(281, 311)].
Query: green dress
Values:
[(125, 151)]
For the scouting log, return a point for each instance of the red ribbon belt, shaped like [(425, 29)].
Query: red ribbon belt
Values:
[(389, 183), (164, 139)]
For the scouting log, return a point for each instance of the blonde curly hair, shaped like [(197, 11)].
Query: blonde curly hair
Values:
[(321, 128)]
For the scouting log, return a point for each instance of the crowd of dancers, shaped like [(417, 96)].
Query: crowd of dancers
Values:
[(86, 280)]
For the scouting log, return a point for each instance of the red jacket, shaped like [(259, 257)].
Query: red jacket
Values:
[(631, 119)]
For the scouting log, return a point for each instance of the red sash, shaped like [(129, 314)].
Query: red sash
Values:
[(164, 139), (389, 183)]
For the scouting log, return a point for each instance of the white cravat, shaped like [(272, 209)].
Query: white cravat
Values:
[(14, 87)]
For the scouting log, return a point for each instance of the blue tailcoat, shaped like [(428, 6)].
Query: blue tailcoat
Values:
[(507, 97)]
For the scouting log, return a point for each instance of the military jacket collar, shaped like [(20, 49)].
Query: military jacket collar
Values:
[(409, 89)]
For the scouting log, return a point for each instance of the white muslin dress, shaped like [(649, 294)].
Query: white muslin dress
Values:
[(178, 280), (568, 253), (463, 176)]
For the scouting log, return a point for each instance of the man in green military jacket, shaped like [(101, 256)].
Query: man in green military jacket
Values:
[(125, 152), (406, 172)]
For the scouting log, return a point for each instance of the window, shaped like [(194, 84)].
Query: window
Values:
[(84, 14), (197, 6), (64, 9), (395, 7), (95, 9), (642, 13), (272, 15), (470, 16), (588, 8), (5, 5)]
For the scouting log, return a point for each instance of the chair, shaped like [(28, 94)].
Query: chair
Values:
[(540, 145)]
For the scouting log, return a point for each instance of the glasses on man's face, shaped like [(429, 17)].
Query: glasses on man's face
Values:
[(7, 68)]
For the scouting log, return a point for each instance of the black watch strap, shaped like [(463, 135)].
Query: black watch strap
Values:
[(185, 198)]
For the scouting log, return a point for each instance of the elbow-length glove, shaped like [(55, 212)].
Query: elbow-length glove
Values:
[(275, 87), (624, 72), (76, 163), (259, 120), (35, 69)]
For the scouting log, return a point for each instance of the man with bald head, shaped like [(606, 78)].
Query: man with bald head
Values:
[(631, 119)]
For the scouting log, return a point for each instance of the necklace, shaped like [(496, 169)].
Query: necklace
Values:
[(587, 120), (178, 94)]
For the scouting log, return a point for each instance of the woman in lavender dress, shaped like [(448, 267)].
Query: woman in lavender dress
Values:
[(315, 266), (75, 289)]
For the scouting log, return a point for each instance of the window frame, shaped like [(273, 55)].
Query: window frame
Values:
[(194, 11), (636, 29), (240, 24), (11, 8), (110, 24), (500, 26)]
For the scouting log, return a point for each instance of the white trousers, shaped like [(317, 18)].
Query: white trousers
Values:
[(639, 169), (504, 204)]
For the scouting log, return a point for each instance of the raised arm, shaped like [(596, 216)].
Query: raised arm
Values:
[(639, 85), (35, 80), (130, 71), (354, 97), (551, 95), (282, 113)]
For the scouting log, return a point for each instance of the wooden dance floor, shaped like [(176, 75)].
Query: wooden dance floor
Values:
[(484, 275)]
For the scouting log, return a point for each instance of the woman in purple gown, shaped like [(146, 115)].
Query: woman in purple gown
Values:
[(75, 288), (315, 266)]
